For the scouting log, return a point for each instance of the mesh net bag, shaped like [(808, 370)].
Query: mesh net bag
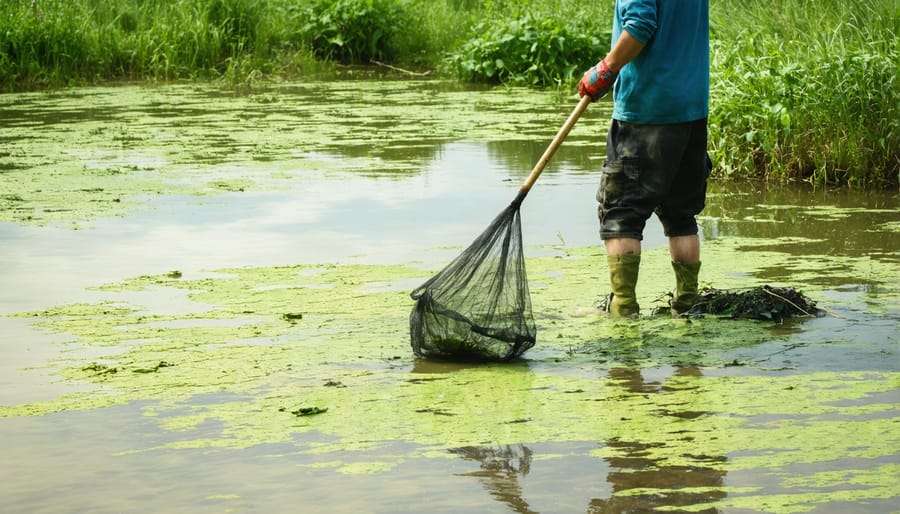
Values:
[(478, 307)]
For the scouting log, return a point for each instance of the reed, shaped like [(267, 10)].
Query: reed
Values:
[(52, 43), (806, 89)]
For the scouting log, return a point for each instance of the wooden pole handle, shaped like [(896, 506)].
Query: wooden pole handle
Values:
[(548, 153)]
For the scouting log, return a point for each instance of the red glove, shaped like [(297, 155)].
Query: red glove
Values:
[(597, 81)]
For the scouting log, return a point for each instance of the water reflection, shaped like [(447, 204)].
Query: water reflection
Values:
[(801, 220), (519, 157), (642, 482), (662, 486), (385, 177), (642, 476), (420, 174), (501, 467)]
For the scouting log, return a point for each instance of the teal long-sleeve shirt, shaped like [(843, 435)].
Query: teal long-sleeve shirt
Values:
[(668, 81)]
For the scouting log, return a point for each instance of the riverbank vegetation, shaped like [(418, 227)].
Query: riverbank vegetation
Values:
[(801, 89)]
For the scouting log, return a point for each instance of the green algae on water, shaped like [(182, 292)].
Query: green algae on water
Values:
[(66, 164), (318, 357)]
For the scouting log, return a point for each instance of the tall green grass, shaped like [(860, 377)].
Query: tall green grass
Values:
[(65, 42), (528, 50), (806, 89), (801, 89)]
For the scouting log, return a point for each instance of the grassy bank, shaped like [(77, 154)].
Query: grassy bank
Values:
[(807, 89), (801, 89), (53, 43)]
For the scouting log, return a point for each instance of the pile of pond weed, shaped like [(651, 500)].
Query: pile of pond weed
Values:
[(764, 303)]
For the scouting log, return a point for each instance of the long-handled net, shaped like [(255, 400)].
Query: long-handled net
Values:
[(479, 306)]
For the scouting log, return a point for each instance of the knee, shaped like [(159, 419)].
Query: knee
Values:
[(677, 226)]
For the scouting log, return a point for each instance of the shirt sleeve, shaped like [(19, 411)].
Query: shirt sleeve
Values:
[(639, 18)]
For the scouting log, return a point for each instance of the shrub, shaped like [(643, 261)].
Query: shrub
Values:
[(353, 31), (806, 94), (527, 51)]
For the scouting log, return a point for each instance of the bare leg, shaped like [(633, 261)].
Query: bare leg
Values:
[(623, 246), (684, 249)]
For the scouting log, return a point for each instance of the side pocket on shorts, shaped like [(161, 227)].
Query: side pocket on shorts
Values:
[(615, 179)]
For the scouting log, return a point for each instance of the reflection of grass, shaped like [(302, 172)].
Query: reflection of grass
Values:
[(140, 144)]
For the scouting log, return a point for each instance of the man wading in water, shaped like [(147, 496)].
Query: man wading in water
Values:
[(656, 158)]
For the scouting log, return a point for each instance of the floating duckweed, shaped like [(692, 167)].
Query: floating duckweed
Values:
[(715, 396)]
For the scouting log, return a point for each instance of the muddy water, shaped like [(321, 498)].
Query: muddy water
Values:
[(205, 297)]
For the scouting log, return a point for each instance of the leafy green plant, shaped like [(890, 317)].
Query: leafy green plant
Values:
[(354, 31), (527, 50), (806, 94)]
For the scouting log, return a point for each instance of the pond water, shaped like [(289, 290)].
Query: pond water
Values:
[(205, 299)]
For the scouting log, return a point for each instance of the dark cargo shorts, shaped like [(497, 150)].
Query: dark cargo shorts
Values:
[(650, 169)]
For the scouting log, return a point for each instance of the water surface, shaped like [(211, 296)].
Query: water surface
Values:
[(189, 273)]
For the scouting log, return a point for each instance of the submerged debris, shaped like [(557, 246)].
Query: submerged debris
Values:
[(154, 368), (764, 303), (100, 369), (305, 411), (292, 317)]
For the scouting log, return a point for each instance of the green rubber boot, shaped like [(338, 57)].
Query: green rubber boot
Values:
[(623, 276), (685, 286)]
